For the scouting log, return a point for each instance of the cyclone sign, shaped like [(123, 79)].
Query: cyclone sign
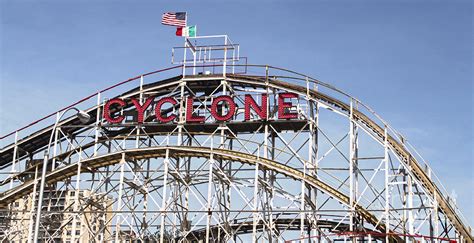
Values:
[(284, 106)]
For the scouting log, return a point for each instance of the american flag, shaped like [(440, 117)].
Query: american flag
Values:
[(174, 19)]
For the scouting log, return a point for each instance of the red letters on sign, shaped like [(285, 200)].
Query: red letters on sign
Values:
[(159, 104), (225, 101), (190, 110), (261, 111), (215, 103), (107, 115), (282, 106), (141, 108)]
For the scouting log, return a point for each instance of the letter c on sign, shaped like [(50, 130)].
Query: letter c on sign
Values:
[(107, 106)]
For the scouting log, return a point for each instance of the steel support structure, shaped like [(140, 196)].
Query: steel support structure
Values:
[(308, 179)]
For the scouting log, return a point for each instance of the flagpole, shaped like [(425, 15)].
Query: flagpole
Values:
[(186, 22), (194, 61), (195, 34)]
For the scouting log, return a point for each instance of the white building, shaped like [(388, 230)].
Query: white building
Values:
[(63, 220)]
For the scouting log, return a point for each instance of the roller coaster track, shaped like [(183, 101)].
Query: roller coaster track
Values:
[(39, 140), (179, 152)]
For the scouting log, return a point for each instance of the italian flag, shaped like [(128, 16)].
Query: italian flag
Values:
[(188, 31)]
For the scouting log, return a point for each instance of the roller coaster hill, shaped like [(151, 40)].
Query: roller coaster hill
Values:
[(215, 149)]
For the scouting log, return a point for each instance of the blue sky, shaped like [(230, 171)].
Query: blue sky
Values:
[(412, 61)]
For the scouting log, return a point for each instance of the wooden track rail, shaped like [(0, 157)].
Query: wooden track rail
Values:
[(187, 151)]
